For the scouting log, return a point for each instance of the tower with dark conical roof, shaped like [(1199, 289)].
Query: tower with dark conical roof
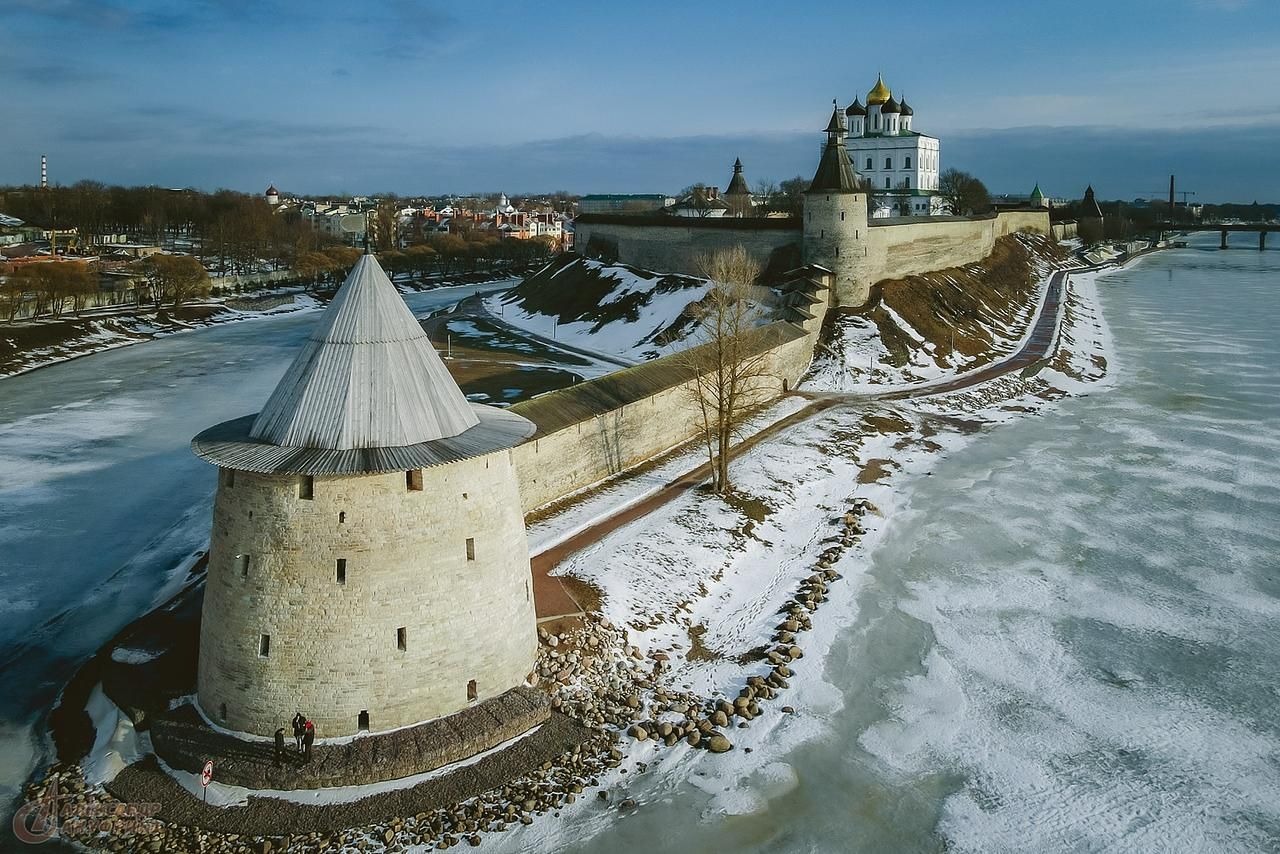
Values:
[(738, 194), (835, 217), (368, 561), (1090, 220)]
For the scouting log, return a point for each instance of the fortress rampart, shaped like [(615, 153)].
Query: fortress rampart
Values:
[(888, 248), (674, 244), (594, 430)]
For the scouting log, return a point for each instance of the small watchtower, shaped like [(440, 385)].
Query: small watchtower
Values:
[(368, 561), (835, 218)]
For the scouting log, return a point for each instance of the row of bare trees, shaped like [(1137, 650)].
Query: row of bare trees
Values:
[(230, 231), (53, 286)]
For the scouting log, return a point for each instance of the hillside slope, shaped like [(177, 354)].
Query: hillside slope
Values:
[(610, 308), (937, 324)]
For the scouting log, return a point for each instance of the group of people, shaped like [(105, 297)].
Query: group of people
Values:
[(304, 735)]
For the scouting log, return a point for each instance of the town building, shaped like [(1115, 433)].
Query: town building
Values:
[(368, 563), (700, 202), (899, 163)]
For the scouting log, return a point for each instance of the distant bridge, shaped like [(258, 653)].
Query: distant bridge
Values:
[(1261, 227)]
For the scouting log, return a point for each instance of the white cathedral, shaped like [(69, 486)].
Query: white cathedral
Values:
[(901, 164)]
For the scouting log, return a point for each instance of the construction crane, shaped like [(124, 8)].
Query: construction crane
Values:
[(1155, 194)]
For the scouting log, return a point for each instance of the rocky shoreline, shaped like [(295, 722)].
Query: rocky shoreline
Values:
[(595, 679)]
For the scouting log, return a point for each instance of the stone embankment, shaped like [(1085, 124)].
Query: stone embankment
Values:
[(595, 679)]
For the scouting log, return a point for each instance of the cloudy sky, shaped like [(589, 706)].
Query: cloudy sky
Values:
[(419, 96)]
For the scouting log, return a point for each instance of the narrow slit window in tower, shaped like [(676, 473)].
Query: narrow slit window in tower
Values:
[(264, 645), (342, 517), (472, 693), (842, 216), (471, 548), (242, 564), (307, 487), (362, 721), (413, 480), (402, 639), (228, 478), (342, 570)]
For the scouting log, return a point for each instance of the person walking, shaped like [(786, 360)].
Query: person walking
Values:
[(279, 746), (298, 722), (308, 737)]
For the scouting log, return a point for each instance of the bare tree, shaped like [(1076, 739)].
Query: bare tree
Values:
[(963, 193), (727, 368), (173, 277)]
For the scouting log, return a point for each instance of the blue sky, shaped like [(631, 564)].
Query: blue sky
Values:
[(419, 96)]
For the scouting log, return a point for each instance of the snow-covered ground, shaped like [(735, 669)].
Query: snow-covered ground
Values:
[(629, 320), (701, 580), (858, 360), (109, 333)]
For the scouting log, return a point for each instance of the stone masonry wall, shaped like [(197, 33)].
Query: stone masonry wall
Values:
[(560, 463), (909, 248), (887, 250), (677, 248), (334, 648)]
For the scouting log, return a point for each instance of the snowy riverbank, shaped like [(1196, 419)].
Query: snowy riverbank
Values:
[(699, 583)]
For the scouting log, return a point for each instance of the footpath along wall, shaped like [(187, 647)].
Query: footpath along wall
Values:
[(594, 430)]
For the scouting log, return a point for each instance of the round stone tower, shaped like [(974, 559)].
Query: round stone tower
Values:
[(835, 219), (368, 564)]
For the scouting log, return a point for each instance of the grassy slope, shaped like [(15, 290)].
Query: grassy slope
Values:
[(980, 303)]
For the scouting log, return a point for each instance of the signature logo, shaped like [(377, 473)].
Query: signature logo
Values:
[(37, 821)]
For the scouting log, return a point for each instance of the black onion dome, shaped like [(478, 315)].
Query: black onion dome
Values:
[(856, 109), (890, 106)]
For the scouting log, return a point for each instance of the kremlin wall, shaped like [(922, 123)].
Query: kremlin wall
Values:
[(892, 248)]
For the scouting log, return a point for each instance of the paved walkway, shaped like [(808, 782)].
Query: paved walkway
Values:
[(146, 782), (1038, 346), (184, 740)]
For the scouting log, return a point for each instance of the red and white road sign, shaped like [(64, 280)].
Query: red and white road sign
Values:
[(206, 774)]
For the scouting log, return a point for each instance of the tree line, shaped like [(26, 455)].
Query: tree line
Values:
[(231, 232), (54, 287)]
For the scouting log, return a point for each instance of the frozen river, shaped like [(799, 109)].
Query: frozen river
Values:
[(1068, 641), (101, 497)]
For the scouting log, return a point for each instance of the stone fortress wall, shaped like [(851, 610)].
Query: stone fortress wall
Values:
[(888, 248), (447, 563), (592, 431), (675, 244)]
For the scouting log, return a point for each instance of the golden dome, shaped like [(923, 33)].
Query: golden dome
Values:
[(879, 94)]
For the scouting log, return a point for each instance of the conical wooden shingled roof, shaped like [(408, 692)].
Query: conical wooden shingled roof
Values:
[(367, 377)]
